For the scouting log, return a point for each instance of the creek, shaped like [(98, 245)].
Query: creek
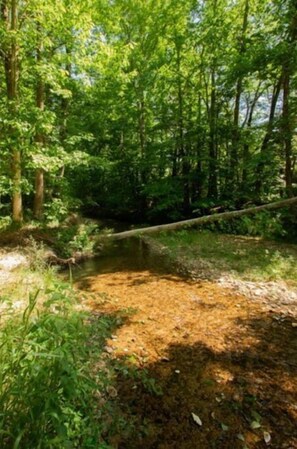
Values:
[(209, 349)]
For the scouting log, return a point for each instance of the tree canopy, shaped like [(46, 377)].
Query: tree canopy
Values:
[(146, 109)]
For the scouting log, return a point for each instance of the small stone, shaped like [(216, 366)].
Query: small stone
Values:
[(108, 349)]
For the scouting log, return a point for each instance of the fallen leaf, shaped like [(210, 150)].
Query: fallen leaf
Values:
[(267, 437), (240, 437), (224, 427), (112, 392), (255, 425), (197, 419)]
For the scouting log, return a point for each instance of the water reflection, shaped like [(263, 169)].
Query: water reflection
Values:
[(131, 255)]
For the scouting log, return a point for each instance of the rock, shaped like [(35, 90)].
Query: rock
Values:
[(9, 262)]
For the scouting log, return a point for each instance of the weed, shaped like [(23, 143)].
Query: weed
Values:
[(75, 238), (37, 255), (47, 384)]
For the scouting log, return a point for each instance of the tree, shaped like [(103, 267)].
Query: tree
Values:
[(10, 57)]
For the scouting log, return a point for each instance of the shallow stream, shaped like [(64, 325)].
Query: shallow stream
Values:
[(211, 351), (123, 255)]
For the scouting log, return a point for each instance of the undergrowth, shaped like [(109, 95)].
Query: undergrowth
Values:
[(51, 397), (58, 383), (75, 239)]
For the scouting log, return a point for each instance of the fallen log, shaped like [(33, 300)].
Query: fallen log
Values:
[(51, 258), (204, 220)]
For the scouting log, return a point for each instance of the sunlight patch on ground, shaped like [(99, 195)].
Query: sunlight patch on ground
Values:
[(11, 261)]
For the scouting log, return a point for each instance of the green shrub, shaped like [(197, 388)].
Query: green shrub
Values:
[(263, 224), (75, 238), (55, 211)]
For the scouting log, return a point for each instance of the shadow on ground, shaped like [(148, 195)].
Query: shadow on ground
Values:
[(231, 391)]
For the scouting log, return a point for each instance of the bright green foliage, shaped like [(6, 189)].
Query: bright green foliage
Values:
[(152, 108), (48, 385)]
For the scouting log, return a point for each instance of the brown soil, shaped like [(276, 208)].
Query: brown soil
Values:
[(213, 352)]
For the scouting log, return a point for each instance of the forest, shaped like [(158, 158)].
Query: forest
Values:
[(123, 123), (155, 110)]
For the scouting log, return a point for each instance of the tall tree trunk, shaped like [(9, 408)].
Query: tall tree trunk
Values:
[(259, 172), (142, 136), (233, 172), (174, 172), (185, 166), (65, 104), (288, 72), (39, 139), (10, 53), (212, 165), (142, 142), (287, 131), (246, 147), (198, 181)]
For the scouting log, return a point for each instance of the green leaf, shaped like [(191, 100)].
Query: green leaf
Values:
[(255, 425)]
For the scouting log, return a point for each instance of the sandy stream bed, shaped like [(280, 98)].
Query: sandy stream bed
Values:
[(224, 350)]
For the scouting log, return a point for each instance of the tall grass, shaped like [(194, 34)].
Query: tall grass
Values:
[(47, 384)]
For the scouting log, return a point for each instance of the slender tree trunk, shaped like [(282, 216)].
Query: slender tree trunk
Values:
[(65, 103), (39, 194), (17, 203), (174, 160), (233, 176), (11, 66), (185, 167), (142, 136), (143, 143), (287, 122), (246, 147), (39, 139), (212, 166), (267, 139), (198, 182), (287, 132)]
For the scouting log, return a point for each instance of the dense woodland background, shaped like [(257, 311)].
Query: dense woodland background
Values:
[(150, 110)]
